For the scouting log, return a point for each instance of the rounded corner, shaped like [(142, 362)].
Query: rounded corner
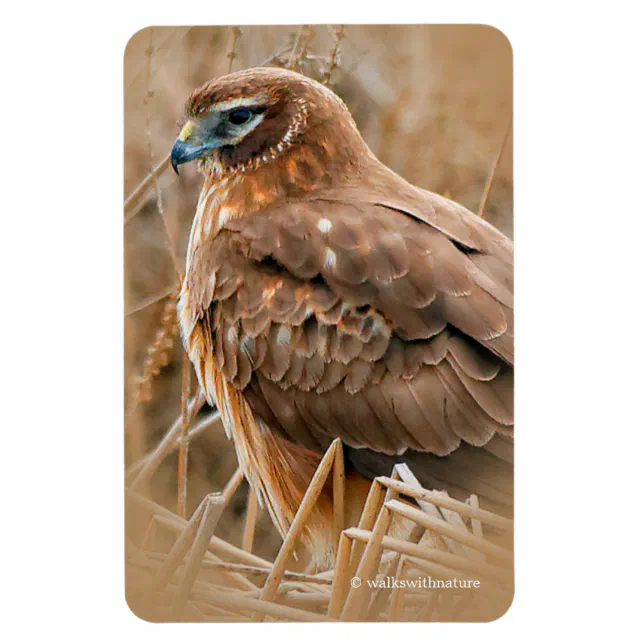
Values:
[(136, 610), (504, 609), (502, 35), (132, 38)]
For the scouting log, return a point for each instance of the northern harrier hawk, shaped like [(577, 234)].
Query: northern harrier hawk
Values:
[(327, 297)]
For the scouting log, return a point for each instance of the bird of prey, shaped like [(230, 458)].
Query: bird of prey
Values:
[(325, 296)]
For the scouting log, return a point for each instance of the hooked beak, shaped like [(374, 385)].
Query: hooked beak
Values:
[(183, 152), (185, 149)]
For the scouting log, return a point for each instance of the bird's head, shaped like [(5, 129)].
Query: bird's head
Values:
[(243, 121)]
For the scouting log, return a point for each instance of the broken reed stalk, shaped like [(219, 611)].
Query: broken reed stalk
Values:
[(455, 519), (276, 59), (448, 502), (214, 506), (380, 598), (148, 136), (302, 514), (292, 56), (235, 33), (219, 548), (167, 444), (184, 440), (402, 472), (252, 511), (339, 480), (340, 576), (212, 419), (150, 534), (260, 606), (492, 173), (209, 421), (301, 41), (149, 301), (350, 551), (238, 607), (134, 426), (444, 528), (221, 501), (398, 594), (307, 34), (413, 549), (256, 570), (233, 484), (180, 547), (355, 604), (216, 546), (198, 532), (135, 202), (477, 526), (374, 501), (333, 59)]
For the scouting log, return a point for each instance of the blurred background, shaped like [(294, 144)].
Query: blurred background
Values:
[(433, 102)]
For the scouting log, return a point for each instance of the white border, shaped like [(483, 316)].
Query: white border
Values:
[(578, 141)]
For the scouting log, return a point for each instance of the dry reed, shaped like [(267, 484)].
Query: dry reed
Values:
[(485, 571)]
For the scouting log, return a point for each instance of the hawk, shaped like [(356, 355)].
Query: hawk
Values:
[(325, 296)]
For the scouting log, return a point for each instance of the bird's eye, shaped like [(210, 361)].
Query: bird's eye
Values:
[(239, 116)]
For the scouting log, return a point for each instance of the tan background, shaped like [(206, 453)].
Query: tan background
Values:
[(433, 102)]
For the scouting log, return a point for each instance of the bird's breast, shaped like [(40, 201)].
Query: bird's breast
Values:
[(213, 209)]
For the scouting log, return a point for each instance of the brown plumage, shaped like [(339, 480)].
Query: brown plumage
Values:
[(327, 297)]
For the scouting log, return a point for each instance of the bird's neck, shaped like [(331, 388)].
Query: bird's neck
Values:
[(297, 174)]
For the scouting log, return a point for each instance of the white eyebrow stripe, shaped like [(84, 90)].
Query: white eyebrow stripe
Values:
[(237, 102)]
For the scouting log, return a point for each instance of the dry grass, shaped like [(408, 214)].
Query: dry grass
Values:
[(434, 103), (203, 577)]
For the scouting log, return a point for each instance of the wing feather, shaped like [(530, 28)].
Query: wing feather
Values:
[(387, 324)]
